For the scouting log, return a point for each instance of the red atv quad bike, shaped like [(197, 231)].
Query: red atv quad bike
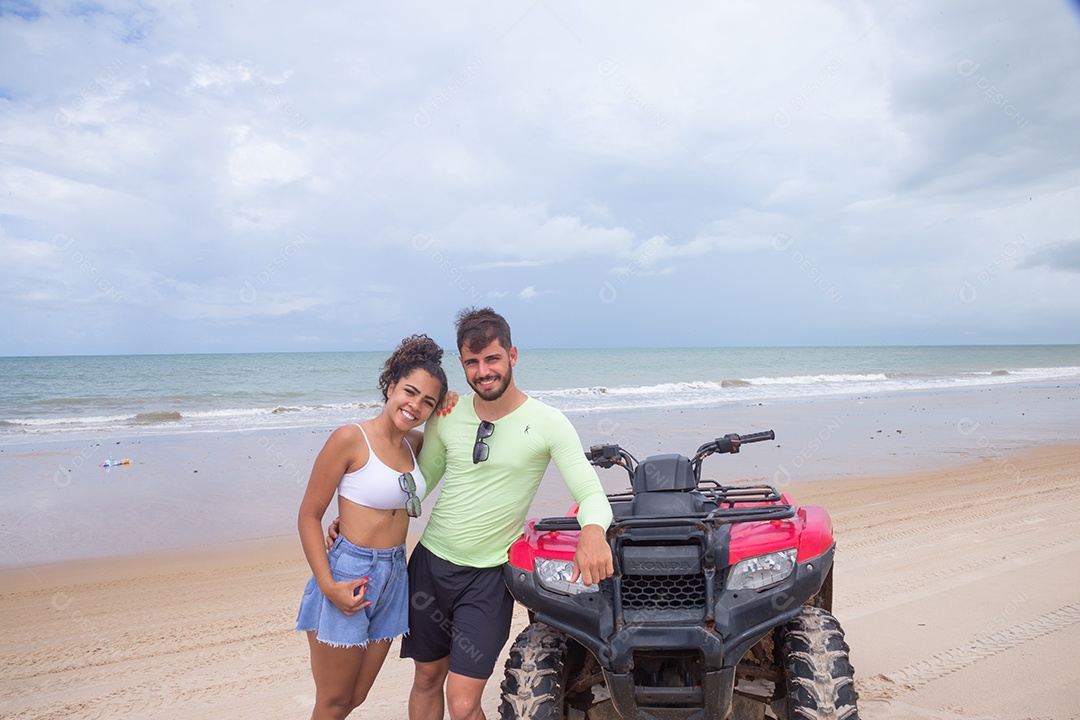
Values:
[(719, 606)]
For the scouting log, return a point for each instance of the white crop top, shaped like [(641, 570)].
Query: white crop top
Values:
[(376, 485)]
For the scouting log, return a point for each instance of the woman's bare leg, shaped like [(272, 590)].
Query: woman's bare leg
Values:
[(343, 676)]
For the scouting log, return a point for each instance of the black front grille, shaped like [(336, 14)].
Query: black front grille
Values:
[(663, 592)]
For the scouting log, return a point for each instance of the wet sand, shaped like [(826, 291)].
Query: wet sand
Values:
[(206, 488)]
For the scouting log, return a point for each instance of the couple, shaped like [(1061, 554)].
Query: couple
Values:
[(454, 609)]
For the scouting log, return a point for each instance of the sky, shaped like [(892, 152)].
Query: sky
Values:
[(200, 177)]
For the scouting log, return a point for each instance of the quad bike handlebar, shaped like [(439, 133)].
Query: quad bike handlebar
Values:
[(735, 504), (730, 443), (606, 456)]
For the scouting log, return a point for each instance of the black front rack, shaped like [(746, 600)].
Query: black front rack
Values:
[(730, 501), (730, 495)]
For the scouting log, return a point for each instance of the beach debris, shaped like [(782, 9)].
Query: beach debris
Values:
[(110, 462)]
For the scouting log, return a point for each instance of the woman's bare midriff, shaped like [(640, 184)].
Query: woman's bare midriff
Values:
[(371, 528)]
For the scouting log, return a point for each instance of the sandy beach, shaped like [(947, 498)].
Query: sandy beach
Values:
[(958, 591), (957, 586)]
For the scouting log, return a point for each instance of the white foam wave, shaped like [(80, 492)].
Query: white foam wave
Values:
[(169, 418), (794, 387), (152, 422), (808, 379), (60, 422)]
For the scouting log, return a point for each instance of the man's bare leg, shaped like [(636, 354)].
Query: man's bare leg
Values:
[(463, 696), (426, 700)]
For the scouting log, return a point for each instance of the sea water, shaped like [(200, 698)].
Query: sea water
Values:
[(75, 398), (221, 446)]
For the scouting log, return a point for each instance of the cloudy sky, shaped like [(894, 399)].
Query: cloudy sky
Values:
[(182, 177)]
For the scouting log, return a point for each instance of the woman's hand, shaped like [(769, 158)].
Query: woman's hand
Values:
[(447, 403), (348, 596)]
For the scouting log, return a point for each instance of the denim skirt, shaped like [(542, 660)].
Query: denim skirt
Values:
[(387, 590)]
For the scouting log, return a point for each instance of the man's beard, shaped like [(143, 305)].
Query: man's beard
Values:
[(497, 391)]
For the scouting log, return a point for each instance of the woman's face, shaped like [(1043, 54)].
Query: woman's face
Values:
[(411, 400)]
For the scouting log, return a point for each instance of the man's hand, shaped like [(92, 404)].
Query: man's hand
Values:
[(592, 560), (332, 532)]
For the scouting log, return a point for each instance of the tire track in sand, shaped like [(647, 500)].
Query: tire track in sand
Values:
[(929, 583), (967, 520), (907, 507), (886, 686)]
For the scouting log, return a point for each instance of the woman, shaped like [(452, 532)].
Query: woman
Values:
[(356, 601)]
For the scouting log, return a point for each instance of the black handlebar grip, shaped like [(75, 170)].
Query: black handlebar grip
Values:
[(757, 437)]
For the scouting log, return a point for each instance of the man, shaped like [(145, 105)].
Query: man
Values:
[(493, 448)]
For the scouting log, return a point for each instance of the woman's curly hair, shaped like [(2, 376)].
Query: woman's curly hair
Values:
[(414, 352)]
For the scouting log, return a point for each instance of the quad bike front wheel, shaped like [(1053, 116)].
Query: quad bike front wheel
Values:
[(818, 678), (549, 676), (536, 673)]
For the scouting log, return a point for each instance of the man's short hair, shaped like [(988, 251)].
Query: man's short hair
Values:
[(477, 327)]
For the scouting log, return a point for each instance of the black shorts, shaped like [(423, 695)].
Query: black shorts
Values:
[(459, 611)]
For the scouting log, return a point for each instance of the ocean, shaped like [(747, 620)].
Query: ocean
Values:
[(78, 398), (221, 446)]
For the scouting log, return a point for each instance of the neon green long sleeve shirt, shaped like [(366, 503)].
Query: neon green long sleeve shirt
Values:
[(482, 507)]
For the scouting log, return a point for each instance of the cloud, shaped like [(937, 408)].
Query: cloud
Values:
[(530, 236), (1063, 255), (184, 150), (531, 293)]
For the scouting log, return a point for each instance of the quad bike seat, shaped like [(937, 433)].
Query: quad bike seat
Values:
[(664, 485)]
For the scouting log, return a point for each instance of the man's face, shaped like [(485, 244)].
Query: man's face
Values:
[(489, 371)]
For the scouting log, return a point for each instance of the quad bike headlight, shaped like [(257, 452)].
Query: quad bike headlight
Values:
[(555, 576), (761, 571)]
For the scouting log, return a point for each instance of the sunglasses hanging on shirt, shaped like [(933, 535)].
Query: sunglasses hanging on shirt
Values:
[(480, 449)]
